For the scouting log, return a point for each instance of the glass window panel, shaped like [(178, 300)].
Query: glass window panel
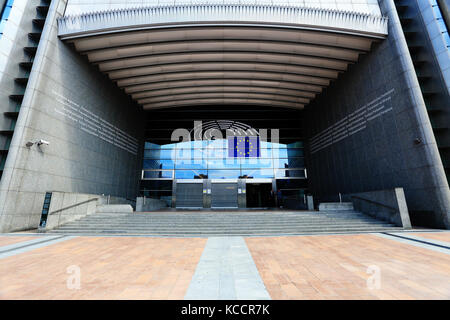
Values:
[(258, 173), (289, 163), (295, 145), (216, 153), (274, 145), (190, 154), (191, 164), (170, 146), (190, 174), (265, 153), (149, 145), (224, 174), (158, 174), (213, 155), (265, 144), (295, 153), (287, 153), (185, 145), (158, 164), (216, 144), (6, 12), (159, 154), (279, 153), (229, 163), (282, 173), (256, 163)]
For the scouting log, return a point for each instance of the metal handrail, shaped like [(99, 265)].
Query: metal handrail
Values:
[(375, 203), (72, 206), (69, 207)]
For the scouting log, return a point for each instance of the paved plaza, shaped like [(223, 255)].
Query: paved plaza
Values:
[(407, 265)]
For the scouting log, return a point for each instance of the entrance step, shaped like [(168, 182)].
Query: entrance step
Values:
[(341, 206), (201, 223), (115, 208)]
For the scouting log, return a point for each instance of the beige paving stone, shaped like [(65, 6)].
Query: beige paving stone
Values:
[(111, 268), (336, 267)]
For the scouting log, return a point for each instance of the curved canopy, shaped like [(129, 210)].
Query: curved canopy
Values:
[(275, 56)]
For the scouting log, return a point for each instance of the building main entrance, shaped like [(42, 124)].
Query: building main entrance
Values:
[(223, 163), (260, 195)]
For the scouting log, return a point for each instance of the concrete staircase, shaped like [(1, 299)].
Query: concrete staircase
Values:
[(336, 206), (221, 223)]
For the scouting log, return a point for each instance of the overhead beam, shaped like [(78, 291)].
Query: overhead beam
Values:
[(212, 74), (211, 56), (225, 66), (197, 102), (209, 33), (219, 95), (314, 89), (213, 89), (221, 45)]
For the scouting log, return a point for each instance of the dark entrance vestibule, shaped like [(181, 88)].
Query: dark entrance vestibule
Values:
[(260, 195)]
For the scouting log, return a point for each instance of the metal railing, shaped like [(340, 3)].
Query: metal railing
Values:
[(250, 13), (376, 203), (69, 207)]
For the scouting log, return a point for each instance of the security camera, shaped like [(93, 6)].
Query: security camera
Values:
[(41, 142)]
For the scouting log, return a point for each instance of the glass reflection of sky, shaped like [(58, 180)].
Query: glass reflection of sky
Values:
[(189, 174), (211, 158), (258, 173), (221, 143)]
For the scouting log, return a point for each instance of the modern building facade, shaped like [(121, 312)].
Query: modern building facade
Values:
[(224, 104)]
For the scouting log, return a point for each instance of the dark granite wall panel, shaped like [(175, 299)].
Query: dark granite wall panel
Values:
[(389, 143)]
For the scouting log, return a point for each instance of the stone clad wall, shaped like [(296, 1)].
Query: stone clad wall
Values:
[(370, 131), (389, 205), (94, 130)]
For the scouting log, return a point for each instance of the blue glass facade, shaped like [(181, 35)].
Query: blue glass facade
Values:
[(224, 159)]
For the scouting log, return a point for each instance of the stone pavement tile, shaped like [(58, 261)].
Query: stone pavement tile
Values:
[(110, 268), (8, 240), (226, 271), (342, 267), (440, 236)]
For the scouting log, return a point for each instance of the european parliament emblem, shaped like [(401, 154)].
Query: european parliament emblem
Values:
[(243, 147)]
